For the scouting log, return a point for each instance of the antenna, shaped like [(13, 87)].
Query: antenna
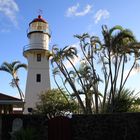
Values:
[(40, 12)]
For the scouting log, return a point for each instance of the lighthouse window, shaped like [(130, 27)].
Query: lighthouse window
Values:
[(38, 78), (38, 57)]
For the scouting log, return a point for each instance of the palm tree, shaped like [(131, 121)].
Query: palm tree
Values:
[(113, 53), (90, 47), (57, 57), (118, 47), (12, 69)]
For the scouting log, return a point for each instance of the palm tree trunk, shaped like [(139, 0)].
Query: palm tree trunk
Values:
[(68, 78), (19, 90), (60, 89)]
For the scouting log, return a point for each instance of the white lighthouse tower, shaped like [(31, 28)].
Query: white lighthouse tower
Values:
[(38, 79)]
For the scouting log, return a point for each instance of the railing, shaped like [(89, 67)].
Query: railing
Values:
[(33, 46)]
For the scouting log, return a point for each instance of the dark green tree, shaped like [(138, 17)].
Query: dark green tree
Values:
[(120, 49), (52, 103)]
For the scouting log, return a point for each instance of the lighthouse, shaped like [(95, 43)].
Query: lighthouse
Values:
[(38, 78)]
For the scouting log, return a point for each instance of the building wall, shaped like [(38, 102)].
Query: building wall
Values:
[(39, 40), (38, 45), (34, 88)]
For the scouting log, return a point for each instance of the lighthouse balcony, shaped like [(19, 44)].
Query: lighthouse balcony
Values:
[(35, 47)]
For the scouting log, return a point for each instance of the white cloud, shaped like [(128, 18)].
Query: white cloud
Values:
[(101, 14), (73, 11), (9, 8), (74, 61), (133, 72)]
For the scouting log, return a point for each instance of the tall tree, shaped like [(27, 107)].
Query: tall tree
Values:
[(57, 59), (98, 61), (118, 48), (12, 69)]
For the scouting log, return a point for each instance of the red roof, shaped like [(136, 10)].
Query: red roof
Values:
[(7, 97), (39, 19)]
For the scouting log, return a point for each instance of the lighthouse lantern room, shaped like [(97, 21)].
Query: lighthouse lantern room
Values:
[(38, 79)]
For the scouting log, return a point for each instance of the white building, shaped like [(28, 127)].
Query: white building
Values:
[(38, 78)]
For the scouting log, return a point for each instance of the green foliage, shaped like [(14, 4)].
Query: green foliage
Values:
[(135, 106), (25, 134), (53, 103), (125, 102)]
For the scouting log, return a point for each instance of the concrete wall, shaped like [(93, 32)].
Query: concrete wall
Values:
[(34, 88), (39, 40), (37, 122), (38, 45), (0, 128), (125, 126)]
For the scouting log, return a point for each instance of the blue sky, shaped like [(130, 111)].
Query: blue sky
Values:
[(66, 18)]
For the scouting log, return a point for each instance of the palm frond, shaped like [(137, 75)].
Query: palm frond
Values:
[(49, 54), (82, 37), (3, 68), (56, 71), (117, 27), (72, 73), (15, 63), (20, 66), (7, 67)]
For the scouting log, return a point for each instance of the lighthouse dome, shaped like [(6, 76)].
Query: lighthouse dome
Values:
[(38, 34), (38, 25), (38, 19)]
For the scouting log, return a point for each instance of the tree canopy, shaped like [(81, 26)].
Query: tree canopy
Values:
[(52, 103)]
